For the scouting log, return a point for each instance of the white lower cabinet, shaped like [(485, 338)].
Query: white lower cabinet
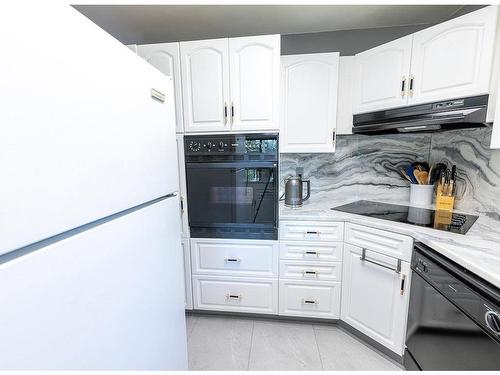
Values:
[(306, 270), (310, 268), (188, 289), (210, 256), (375, 298), (311, 231), (313, 251), (311, 273), (392, 244), (309, 299), (235, 275), (223, 293)]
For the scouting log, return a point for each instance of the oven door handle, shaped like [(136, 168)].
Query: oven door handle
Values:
[(246, 164)]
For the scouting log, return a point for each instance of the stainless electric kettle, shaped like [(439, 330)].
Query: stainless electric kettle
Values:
[(294, 191)]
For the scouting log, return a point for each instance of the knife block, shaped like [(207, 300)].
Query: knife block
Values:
[(444, 202)]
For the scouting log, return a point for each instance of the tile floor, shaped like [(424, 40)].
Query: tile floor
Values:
[(229, 343)]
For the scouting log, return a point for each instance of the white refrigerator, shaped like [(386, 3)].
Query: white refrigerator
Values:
[(91, 273)]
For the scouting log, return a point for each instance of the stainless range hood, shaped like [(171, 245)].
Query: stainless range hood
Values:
[(445, 115)]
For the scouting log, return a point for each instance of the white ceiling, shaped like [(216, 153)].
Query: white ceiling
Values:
[(167, 23)]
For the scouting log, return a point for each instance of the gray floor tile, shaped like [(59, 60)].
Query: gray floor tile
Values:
[(340, 351), (283, 346), (218, 343)]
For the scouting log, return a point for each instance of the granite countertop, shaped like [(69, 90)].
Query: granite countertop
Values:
[(478, 250)]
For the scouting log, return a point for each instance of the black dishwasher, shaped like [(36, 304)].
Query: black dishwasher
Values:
[(453, 320)]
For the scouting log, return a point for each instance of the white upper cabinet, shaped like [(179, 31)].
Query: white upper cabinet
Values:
[(205, 85), (344, 97), (454, 59), (309, 102), (254, 77), (165, 58), (450, 60), (381, 76), (231, 84)]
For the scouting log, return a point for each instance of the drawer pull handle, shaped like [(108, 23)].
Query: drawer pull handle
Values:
[(233, 296), (311, 252), (313, 232), (312, 273), (309, 301), (232, 260), (365, 259)]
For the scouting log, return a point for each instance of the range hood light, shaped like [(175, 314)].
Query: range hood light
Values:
[(409, 129)]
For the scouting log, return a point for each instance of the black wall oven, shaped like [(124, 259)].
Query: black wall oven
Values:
[(454, 317), (232, 185)]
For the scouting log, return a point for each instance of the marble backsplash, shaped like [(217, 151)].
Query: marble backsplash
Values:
[(478, 168), (368, 167)]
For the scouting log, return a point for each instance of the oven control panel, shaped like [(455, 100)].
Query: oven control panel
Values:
[(231, 144), (214, 145)]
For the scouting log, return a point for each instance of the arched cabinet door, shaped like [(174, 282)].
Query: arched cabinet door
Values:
[(453, 59), (309, 102), (381, 76), (254, 72), (165, 58), (205, 85)]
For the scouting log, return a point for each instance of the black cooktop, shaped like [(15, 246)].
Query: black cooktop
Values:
[(441, 220)]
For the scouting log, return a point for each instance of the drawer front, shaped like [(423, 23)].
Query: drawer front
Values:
[(306, 270), (310, 299), (235, 294), (388, 243), (234, 257), (314, 251), (311, 231)]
